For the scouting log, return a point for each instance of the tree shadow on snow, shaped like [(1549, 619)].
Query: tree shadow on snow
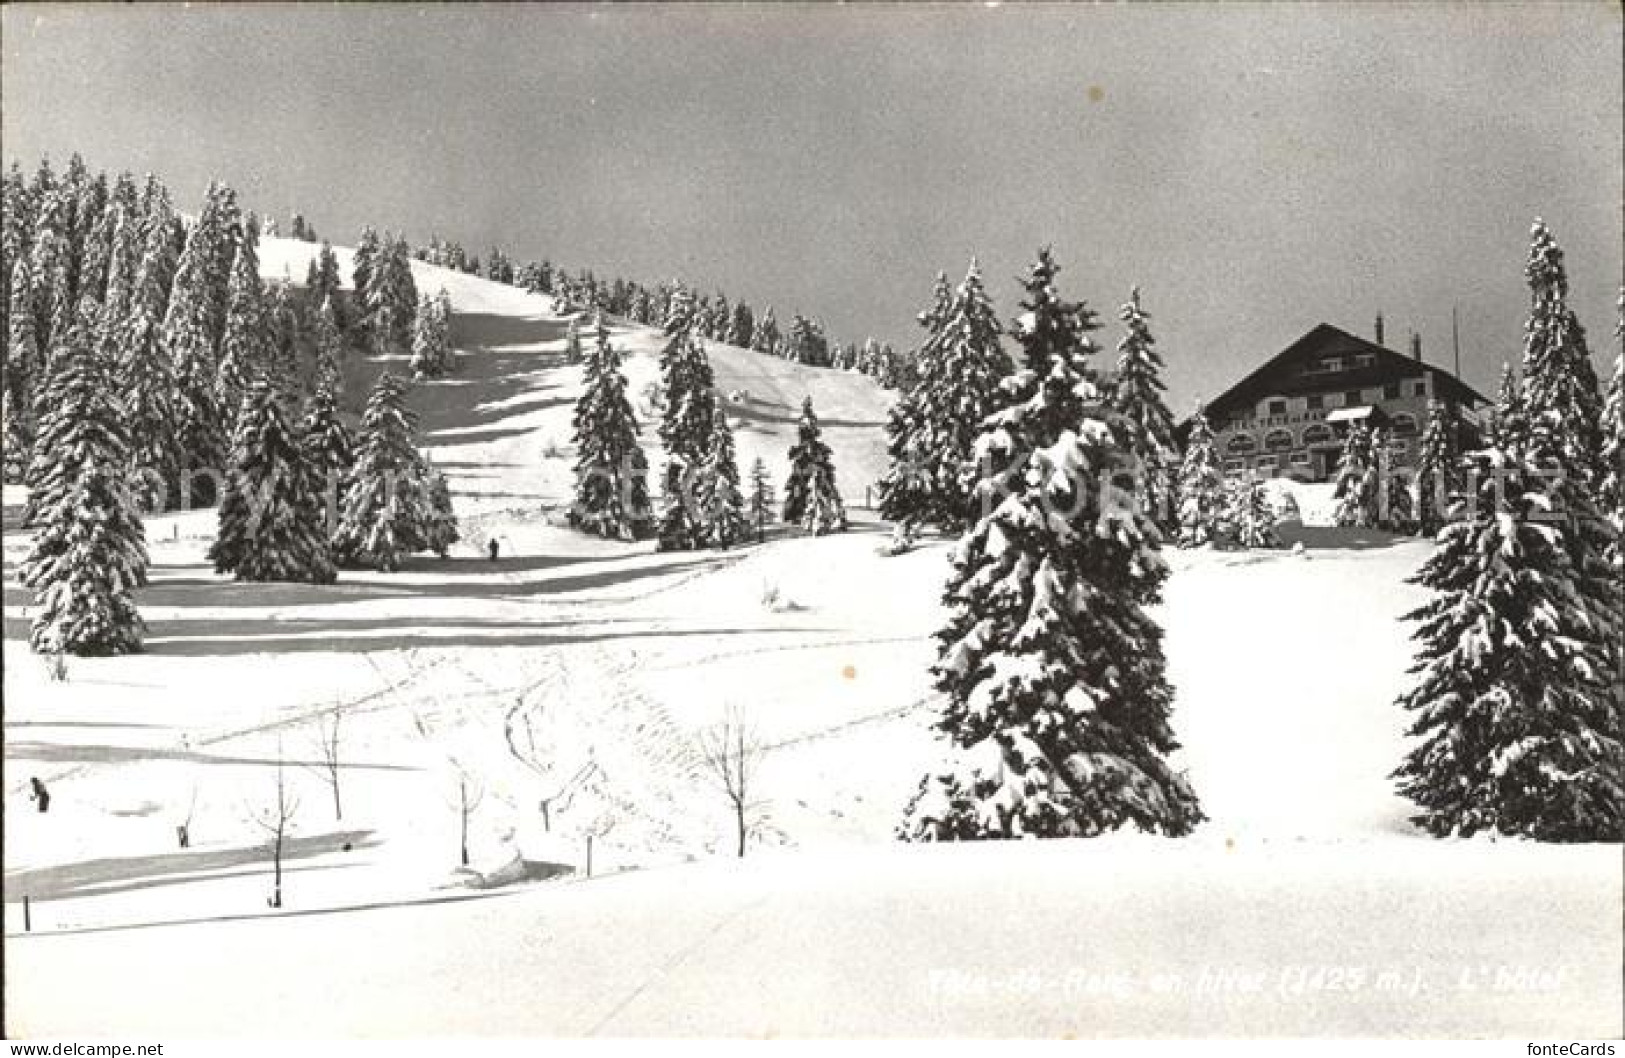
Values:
[(1337, 538), (208, 592), (71, 753), (523, 635), (485, 328), (105, 877)]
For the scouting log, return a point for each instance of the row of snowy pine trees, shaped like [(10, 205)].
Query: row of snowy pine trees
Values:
[(714, 319), (935, 470), (1519, 676), (1056, 708), (703, 504), (146, 364)]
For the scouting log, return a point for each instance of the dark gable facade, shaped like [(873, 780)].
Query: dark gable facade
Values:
[(1292, 414)]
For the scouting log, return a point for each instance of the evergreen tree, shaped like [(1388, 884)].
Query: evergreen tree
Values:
[(1438, 469), (96, 256), (1512, 702), (361, 269), (765, 339), (685, 427), (761, 495), (612, 492), (1611, 491), (932, 430), (1249, 518), (88, 553), (48, 268), (271, 523), (441, 531), (193, 326), (1137, 393), (123, 271), (743, 327), (1561, 402), (329, 351), (721, 505), (386, 508), (328, 443), (1202, 510), (22, 369), (572, 344), (1508, 426), (322, 281), (286, 326), (147, 380), (390, 299), (245, 349), (1562, 420), (1356, 484), (431, 341), (811, 499), (1057, 702)]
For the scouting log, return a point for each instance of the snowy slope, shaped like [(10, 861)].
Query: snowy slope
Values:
[(501, 424), (613, 657)]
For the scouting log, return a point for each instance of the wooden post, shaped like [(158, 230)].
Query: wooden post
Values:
[(28, 916), (589, 855)]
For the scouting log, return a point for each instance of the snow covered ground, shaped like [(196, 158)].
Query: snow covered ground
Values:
[(582, 671)]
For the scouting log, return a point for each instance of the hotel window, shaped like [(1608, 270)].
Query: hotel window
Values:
[(1421, 388), (1365, 360), (1241, 444), (1332, 364), (1277, 407), (1316, 402), (1300, 459), (1390, 391), (1278, 440), (1231, 465), (1352, 399), (1318, 434)]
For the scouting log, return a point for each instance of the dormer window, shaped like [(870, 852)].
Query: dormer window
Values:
[(1332, 363), (1277, 407)]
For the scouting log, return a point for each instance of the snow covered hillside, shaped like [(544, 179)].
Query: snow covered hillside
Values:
[(579, 672)]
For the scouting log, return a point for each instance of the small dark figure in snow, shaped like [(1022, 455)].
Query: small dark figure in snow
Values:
[(38, 792), (492, 548)]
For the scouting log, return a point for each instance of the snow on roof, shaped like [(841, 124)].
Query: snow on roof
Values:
[(1350, 414)]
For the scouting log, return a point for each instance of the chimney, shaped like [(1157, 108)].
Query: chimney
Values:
[(1379, 328), (1416, 347)]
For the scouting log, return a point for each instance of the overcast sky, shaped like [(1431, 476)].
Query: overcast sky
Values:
[(1254, 170)]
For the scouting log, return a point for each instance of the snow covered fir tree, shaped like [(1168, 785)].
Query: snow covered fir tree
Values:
[(1249, 517), (1137, 389), (1513, 703), (1057, 702), (1438, 470), (271, 518), (721, 505), (1516, 702), (88, 553), (932, 430), (387, 508), (431, 336), (611, 473), (811, 498), (761, 504), (688, 412), (1202, 506)]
